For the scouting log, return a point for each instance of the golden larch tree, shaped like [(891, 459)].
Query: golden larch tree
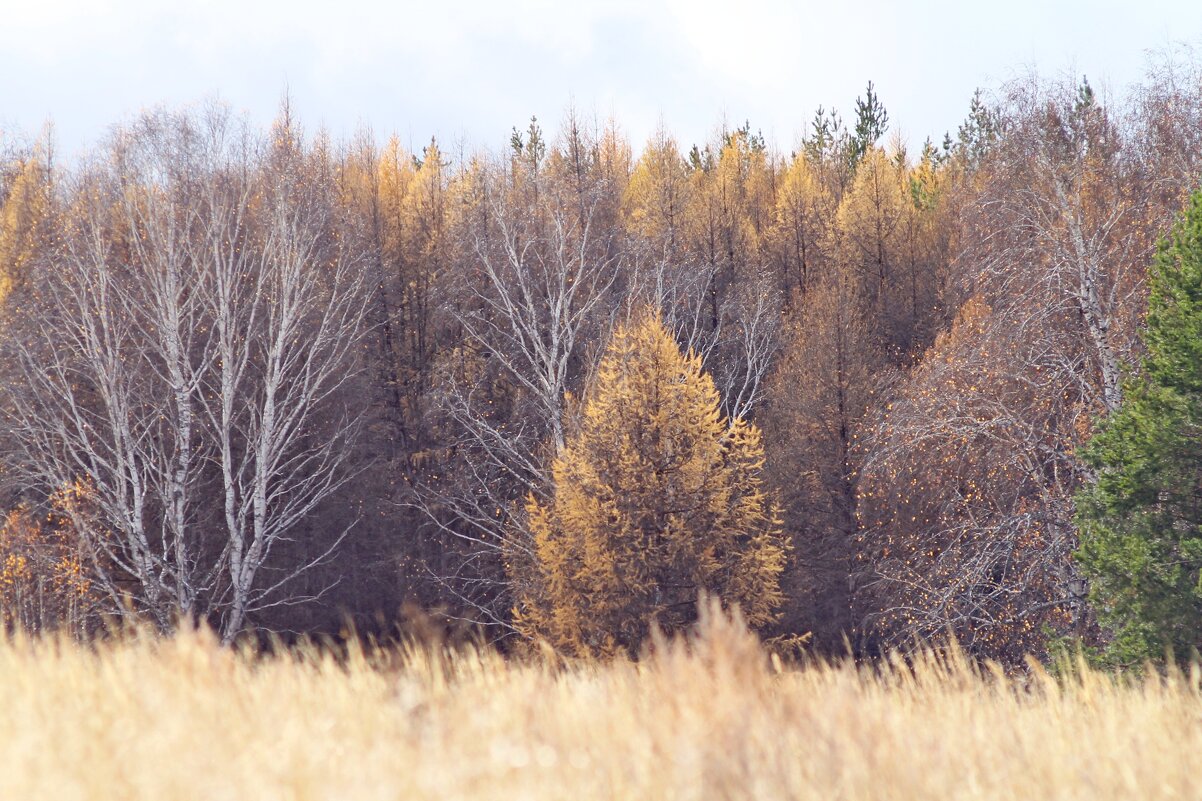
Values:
[(870, 245), (24, 219), (657, 196), (822, 386), (657, 498), (800, 234)]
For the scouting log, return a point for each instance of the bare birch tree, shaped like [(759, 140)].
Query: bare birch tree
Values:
[(199, 320), (534, 301)]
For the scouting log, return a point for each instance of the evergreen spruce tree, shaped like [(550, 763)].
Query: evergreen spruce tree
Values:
[(657, 498), (1141, 522)]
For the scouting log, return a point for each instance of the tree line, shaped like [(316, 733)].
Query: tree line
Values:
[(269, 380)]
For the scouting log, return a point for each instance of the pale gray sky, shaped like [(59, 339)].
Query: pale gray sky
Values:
[(471, 70)]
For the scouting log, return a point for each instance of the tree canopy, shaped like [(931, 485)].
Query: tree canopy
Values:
[(656, 499)]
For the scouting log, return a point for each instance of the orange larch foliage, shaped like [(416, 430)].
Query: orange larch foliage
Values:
[(657, 498)]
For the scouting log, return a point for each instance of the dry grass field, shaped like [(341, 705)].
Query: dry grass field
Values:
[(182, 718)]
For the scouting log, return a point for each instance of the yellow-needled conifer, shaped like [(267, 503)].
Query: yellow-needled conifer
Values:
[(657, 498)]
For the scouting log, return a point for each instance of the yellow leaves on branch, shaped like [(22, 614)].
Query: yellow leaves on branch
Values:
[(657, 498), (42, 579), (22, 214)]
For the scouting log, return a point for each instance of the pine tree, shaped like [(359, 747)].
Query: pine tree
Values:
[(872, 121), (1141, 521), (657, 498), (977, 134)]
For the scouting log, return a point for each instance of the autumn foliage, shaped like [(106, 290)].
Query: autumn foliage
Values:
[(927, 334), (44, 582), (657, 498)]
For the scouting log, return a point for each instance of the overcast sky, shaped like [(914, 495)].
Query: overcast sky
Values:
[(469, 71)]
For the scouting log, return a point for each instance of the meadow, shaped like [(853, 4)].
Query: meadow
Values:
[(145, 717)]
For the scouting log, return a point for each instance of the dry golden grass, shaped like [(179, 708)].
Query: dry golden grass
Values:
[(183, 719)]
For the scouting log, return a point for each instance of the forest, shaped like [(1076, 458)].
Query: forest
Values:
[(549, 394)]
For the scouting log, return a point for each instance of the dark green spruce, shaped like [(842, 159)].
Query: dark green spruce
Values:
[(1141, 521)]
